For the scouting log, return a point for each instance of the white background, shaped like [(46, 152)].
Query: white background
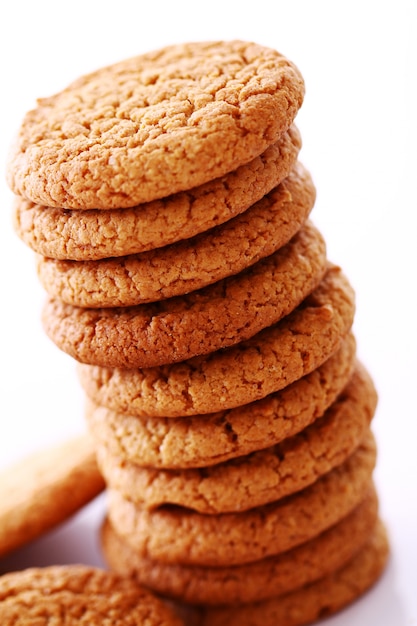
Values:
[(358, 125)]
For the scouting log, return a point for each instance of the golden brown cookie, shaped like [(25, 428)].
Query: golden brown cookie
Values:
[(78, 595), (315, 601), (189, 264), (261, 477), (220, 315), (204, 440), (154, 125), (248, 371), (252, 582), (178, 535), (44, 489), (96, 234)]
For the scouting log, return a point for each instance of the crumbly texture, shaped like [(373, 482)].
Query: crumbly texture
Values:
[(76, 595), (261, 477), (315, 601), (204, 440), (220, 315), (177, 535), (89, 235), (154, 125), (248, 371), (190, 264), (44, 489), (252, 582)]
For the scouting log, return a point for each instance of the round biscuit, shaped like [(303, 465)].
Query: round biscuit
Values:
[(248, 371), (94, 234), (189, 264), (154, 124), (178, 535), (220, 315)]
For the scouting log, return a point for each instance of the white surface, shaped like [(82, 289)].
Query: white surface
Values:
[(359, 131)]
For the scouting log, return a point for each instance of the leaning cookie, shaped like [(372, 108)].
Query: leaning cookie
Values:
[(205, 440), (177, 535), (70, 595), (248, 371), (189, 264), (269, 577), (262, 477), (45, 488), (90, 235), (315, 601), (197, 323), (155, 124)]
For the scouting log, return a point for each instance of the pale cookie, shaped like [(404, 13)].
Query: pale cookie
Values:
[(259, 580), (189, 264), (177, 535), (44, 489), (155, 124), (78, 595), (204, 440), (313, 602), (95, 234), (262, 477), (249, 371), (220, 315)]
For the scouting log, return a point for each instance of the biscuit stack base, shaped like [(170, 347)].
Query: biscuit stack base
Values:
[(231, 417)]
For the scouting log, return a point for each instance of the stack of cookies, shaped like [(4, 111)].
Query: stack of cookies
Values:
[(170, 215)]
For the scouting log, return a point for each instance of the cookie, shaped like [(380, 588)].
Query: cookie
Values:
[(220, 315), (154, 125), (315, 601), (204, 440), (254, 581), (248, 371), (95, 234), (178, 535), (44, 489), (189, 264), (78, 595), (262, 477)]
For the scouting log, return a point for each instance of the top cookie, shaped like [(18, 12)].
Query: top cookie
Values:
[(155, 124)]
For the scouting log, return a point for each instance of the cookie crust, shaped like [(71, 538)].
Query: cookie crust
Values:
[(312, 602), (191, 112), (220, 315), (78, 595), (268, 362), (190, 264), (94, 234), (262, 477), (204, 440), (176, 535), (252, 582)]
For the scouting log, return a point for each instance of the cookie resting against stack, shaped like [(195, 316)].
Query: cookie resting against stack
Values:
[(171, 219)]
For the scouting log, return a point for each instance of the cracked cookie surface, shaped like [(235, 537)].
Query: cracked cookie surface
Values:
[(178, 535), (247, 371), (204, 440), (192, 112), (94, 234), (261, 477), (252, 582), (76, 595), (217, 316), (312, 602), (190, 264)]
